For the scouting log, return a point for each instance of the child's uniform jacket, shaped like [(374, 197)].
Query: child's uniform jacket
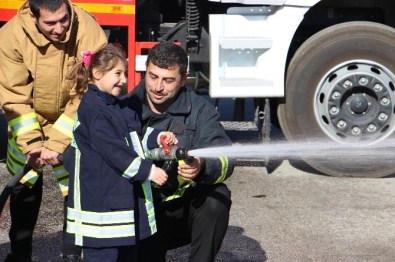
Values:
[(110, 200)]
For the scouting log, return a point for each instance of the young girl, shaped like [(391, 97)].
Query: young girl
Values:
[(110, 202)]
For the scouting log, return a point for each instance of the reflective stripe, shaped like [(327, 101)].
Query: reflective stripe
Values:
[(224, 169), (64, 124), (179, 192), (137, 144), (102, 218), (149, 206), (30, 178), (145, 138), (91, 8), (62, 176), (100, 225), (146, 185), (132, 169), (77, 190), (24, 123), (15, 152), (111, 231), (108, 8), (15, 161)]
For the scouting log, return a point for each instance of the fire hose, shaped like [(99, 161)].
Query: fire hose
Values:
[(14, 181)]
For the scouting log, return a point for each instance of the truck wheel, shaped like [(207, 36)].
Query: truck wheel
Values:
[(340, 89)]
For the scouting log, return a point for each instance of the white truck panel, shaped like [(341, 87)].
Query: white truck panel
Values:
[(271, 2), (248, 52)]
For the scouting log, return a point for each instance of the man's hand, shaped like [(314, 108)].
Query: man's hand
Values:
[(191, 170), (49, 157), (33, 158)]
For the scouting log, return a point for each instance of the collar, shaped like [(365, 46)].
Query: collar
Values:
[(107, 98)]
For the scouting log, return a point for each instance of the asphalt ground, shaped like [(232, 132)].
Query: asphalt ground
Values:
[(287, 215)]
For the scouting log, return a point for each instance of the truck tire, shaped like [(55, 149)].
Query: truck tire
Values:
[(340, 90)]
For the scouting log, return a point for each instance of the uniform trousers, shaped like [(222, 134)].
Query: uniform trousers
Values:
[(25, 205), (113, 254), (200, 218)]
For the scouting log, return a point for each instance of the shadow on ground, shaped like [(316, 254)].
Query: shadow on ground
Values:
[(236, 248)]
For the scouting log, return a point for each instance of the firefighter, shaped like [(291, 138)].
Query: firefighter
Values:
[(194, 205), (38, 47)]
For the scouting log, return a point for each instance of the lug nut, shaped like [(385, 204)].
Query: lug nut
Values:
[(336, 95), (341, 124), (334, 110), (372, 128), (356, 130), (383, 117), (385, 101), (347, 84), (363, 81), (377, 87)]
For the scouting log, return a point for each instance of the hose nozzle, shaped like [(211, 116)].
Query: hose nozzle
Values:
[(175, 153)]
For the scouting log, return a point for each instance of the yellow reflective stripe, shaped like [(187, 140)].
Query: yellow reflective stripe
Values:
[(15, 152), (64, 187), (30, 178), (108, 8), (149, 206), (64, 124), (101, 218), (60, 172), (180, 192), (94, 231), (146, 185), (145, 138), (134, 137), (24, 123), (62, 176), (224, 169), (77, 191), (15, 161), (132, 169)]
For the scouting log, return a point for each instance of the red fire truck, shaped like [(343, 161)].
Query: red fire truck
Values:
[(316, 69)]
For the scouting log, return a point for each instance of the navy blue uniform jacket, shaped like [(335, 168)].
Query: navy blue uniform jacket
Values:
[(110, 199)]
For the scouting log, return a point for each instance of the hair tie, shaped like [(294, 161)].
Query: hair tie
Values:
[(86, 57)]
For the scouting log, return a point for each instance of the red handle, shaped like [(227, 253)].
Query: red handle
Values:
[(166, 147)]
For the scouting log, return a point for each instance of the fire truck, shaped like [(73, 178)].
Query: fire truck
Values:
[(316, 70)]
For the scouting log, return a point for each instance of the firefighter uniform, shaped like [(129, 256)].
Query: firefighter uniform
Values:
[(197, 212), (35, 95), (110, 203)]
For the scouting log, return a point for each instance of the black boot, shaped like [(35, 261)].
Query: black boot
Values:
[(17, 258)]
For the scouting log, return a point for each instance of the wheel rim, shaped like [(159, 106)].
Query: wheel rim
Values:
[(355, 102)]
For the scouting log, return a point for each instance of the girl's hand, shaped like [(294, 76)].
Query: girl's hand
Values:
[(170, 138), (159, 177)]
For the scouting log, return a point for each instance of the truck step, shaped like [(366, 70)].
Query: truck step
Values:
[(239, 125)]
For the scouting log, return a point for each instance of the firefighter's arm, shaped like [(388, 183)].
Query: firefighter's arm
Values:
[(15, 95), (59, 136), (210, 133), (61, 132)]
